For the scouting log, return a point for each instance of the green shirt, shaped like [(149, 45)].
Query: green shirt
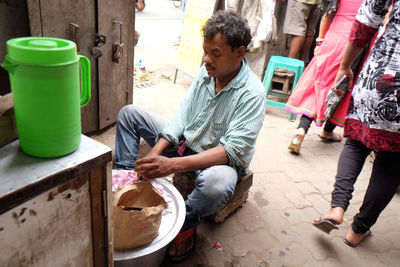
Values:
[(232, 118)]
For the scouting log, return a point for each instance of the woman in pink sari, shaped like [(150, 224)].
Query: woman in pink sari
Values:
[(308, 97)]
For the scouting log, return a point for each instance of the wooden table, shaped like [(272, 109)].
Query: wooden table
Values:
[(56, 212)]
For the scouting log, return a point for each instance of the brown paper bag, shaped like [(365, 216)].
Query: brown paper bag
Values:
[(137, 215)]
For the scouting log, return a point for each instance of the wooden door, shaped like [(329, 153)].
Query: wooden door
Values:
[(74, 20), (116, 21), (13, 23)]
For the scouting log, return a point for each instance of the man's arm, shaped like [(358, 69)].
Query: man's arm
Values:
[(154, 165), (241, 136), (159, 147), (350, 54), (363, 29)]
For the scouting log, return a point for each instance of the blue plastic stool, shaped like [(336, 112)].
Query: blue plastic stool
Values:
[(293, 64)]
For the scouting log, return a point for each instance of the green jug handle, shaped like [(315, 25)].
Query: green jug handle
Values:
[(8, 66), (84, 64)]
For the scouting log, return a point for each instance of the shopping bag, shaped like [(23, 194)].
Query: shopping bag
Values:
[(137, 212)]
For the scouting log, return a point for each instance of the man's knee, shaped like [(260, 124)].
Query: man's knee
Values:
[(218, 181), (126, 111), (130, 114)]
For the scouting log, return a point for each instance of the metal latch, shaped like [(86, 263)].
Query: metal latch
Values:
[(76, 30), (100, 40), (118, 48)]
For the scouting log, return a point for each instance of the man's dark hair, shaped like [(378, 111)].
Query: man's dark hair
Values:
[(231, 25)]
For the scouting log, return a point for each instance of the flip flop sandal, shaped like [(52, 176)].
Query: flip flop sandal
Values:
[(335, 138), (325, 225), (182, 237), (347, 242)]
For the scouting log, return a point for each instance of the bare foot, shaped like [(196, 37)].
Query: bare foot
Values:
[(331, 136), (335, 215), (353, 239)]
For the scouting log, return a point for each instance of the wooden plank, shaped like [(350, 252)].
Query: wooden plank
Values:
[(8, 128), (107, 175), (130, 50), (52, 229), (115, 79), (99, 230), (35, 23), (13, 23), (56, 19)]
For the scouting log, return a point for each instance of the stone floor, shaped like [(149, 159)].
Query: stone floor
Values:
[(274, 228)]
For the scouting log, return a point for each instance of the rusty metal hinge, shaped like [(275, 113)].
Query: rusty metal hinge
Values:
[(118, 47)]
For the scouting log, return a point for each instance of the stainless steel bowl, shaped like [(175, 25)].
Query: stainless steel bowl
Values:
[(153, 254)]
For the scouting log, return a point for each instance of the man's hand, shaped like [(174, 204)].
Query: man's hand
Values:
[(154, 166)]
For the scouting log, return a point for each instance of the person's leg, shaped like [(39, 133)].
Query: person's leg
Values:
[(213, 189), (312, 21), (327, 133), (302, 129), (382, 186), (350, 163), (135, 122), (329, 127), (295, 25), (296, 44), (305, 123), (308, 40)]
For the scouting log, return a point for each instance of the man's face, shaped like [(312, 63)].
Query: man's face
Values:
[(220, 61)]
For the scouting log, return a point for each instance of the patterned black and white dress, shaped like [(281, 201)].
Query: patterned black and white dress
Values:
[(374, 110)]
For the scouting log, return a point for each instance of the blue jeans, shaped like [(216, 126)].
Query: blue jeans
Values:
[(214, 185)]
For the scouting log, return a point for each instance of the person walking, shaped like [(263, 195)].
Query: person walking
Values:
[(373, 121), (308, 97)]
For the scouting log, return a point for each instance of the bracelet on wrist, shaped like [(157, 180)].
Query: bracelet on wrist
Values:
[(319, 41)]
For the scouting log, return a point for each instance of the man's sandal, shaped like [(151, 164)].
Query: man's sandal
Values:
[(182, 237)]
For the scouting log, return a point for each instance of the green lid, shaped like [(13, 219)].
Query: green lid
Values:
[(41, 51)]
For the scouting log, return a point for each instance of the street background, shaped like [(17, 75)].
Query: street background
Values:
[(274, 227)]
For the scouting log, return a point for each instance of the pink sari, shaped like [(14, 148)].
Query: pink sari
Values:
[(309, 95)]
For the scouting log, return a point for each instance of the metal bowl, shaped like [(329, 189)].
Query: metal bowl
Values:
[(172, 220)]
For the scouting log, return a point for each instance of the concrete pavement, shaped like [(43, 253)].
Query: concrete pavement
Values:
[(273, 228)]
